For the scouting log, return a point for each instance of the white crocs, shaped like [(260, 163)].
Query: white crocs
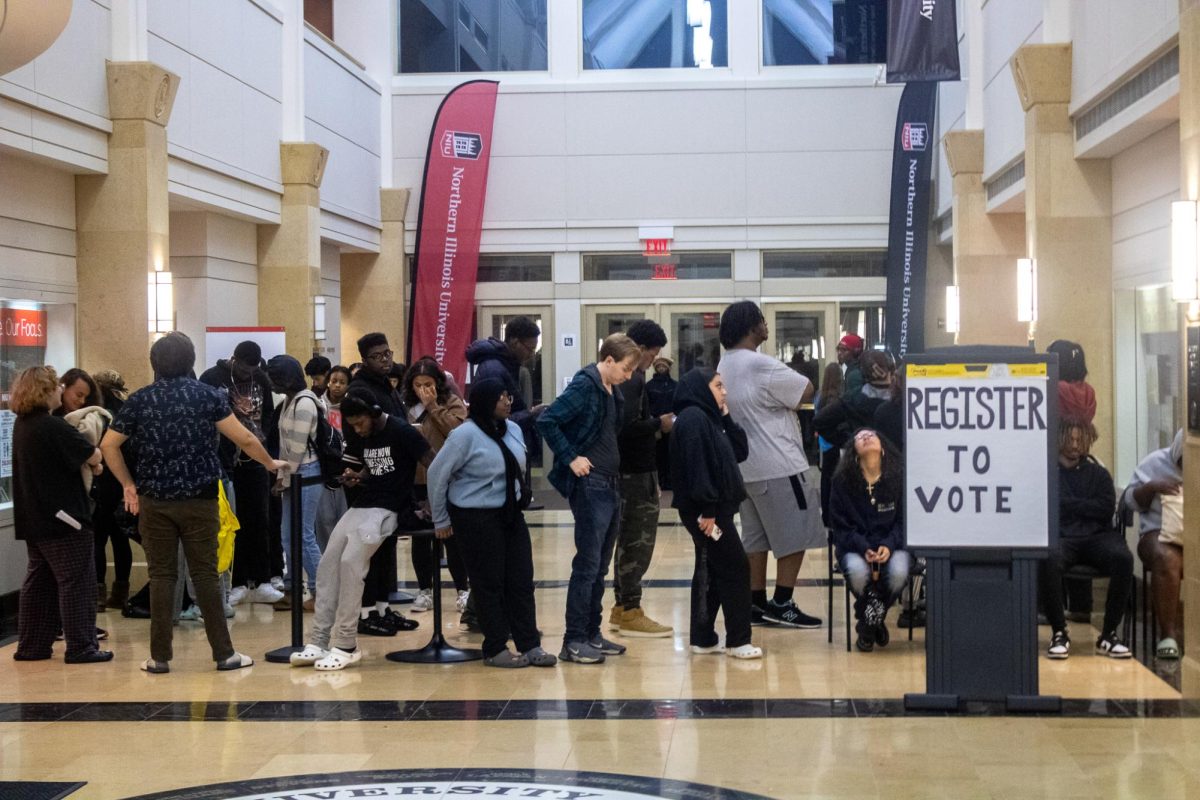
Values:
[(701, 650), (746, 651), (338, 659), (310, 655)]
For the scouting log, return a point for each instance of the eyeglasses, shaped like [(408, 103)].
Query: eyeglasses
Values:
[(377, 357), (858, 437)]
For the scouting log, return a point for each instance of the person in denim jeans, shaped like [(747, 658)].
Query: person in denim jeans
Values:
[(581, 428)]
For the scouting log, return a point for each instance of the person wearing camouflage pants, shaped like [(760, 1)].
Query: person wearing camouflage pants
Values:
[(636, 441)]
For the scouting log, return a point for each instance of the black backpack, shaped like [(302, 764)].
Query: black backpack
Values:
[(328, 445)]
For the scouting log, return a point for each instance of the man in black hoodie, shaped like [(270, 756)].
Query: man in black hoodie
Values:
[(502, 360), (249, 390), (376, 617)]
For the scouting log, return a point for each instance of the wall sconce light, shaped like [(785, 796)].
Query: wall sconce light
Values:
[(952, 316), (160, 296), (319, 318), (1027, 306), (1183, 250)]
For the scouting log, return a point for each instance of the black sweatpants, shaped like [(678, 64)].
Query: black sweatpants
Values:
[(107, 530), (720, 580), (500, 562), (1105, 552), (251, 504)]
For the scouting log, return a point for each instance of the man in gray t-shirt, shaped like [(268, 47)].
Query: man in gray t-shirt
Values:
[(781, 513)]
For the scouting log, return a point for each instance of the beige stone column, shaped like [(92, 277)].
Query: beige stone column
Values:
[(289, 254), (373, 284), (1189, 150), (122, 223), (986, 249), (1068, 225)]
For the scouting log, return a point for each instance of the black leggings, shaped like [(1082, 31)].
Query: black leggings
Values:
[(108, 530), (721, 580), (424, 562)]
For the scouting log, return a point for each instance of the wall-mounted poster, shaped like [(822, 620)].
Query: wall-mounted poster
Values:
[(1193, 378)]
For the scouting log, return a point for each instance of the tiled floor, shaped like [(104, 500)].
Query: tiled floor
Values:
[(809, 720)]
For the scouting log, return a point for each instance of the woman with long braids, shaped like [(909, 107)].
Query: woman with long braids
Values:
[(866, 516)]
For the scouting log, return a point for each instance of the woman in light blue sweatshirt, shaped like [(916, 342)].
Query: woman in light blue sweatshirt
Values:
[(476, 492)]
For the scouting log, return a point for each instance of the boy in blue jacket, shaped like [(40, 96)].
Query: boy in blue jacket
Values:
[(581, 428)]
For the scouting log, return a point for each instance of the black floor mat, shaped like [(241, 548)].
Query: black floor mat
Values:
[(37, 790)]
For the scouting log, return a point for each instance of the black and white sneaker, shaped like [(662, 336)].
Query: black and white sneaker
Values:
[(756, 615), (1109, 645), (1060, 645), (789, 615)]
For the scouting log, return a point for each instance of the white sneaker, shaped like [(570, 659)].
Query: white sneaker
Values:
[(423, 601), (461, 602), (277, 582), (264, 593), (746, 651), (191, 614), (715, 649), (310, 655), (229, 612), (237, 594)]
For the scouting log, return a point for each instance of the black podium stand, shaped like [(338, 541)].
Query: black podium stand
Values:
[(438, 651)]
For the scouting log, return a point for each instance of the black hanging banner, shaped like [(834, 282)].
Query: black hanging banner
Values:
[(908, 220), (922, 41)]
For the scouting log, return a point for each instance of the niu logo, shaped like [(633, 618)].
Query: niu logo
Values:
[(914, 136), (462, 145)]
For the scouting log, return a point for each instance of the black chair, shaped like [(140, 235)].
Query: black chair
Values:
[(1082, 572)]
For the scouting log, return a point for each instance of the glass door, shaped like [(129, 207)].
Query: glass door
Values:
[(538, 382), (692, 333), (801, 334), (603, 321)]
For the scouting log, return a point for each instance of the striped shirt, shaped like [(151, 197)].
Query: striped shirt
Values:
[(297, 428)]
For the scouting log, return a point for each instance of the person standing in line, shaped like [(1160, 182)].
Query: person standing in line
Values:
[(849, 351), (706, 448), (107, 494), (333, 496), (376, 617), (476, 492), (51, 514), (581, 428), (297, 432), (249, 393), (435, 412), (636, 442), (831, 392), (779, 514), (173, 424), (388, 450), (660, 396), (317, 369)]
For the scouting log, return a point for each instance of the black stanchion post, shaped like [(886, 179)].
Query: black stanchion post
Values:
[(282, 655), (438, 651)]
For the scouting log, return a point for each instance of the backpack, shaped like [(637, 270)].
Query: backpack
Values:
[(328, 445)]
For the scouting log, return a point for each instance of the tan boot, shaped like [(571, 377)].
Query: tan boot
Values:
[(614, 618), (634, 622)]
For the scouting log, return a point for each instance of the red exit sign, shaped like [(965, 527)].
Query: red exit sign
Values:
[(664, 272), (656, 247)]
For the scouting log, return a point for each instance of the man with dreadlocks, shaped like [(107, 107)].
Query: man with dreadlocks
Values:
[(1086, 500)]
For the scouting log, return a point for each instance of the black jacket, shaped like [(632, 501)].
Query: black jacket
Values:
[(221, 377), (1086, 499), (706, 449), (637, 434), (660, 393), (837, 421), (492, 359), (858, 525)]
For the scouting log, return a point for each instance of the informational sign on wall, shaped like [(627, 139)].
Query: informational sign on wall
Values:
[(7, 418), (220, 342), (978, 454)]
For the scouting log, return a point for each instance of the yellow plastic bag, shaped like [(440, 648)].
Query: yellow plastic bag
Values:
[(227, 531)]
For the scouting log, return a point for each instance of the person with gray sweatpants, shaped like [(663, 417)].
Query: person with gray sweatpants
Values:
[(388, 451)]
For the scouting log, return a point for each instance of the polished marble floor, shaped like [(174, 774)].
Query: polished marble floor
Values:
[(809, 720)]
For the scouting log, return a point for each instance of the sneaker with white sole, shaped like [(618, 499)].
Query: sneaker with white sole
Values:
[(607, 647), (191, 614), (614, 618), (580, 653), (701, 650), (745, 652), (1060, 645), (237, 595), (310, 655), (337, 659), (460, 603), (264, 593), (423, 601), (1109, 645), (635, 623), (789, 615), (277, 583)]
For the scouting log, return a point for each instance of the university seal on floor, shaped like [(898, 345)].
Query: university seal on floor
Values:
[(456, 784)]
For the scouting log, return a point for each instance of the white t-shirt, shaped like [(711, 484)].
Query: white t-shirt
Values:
[(763, 394)]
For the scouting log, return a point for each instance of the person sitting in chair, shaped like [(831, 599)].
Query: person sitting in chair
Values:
[(1156, 491), (1086, 500)]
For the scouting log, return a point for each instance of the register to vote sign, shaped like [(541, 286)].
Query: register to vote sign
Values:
[(976, 455)]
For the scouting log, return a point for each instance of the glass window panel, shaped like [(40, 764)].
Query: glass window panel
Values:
[(608, 323), (804, 32), (637, 267), (797, 332), (866, 321), (824, 264), (1158, 357), (695, 340), (649, 34), (513, 268), (471, 35)]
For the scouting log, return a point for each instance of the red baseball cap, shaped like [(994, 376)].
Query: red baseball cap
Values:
[(852, 342)]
